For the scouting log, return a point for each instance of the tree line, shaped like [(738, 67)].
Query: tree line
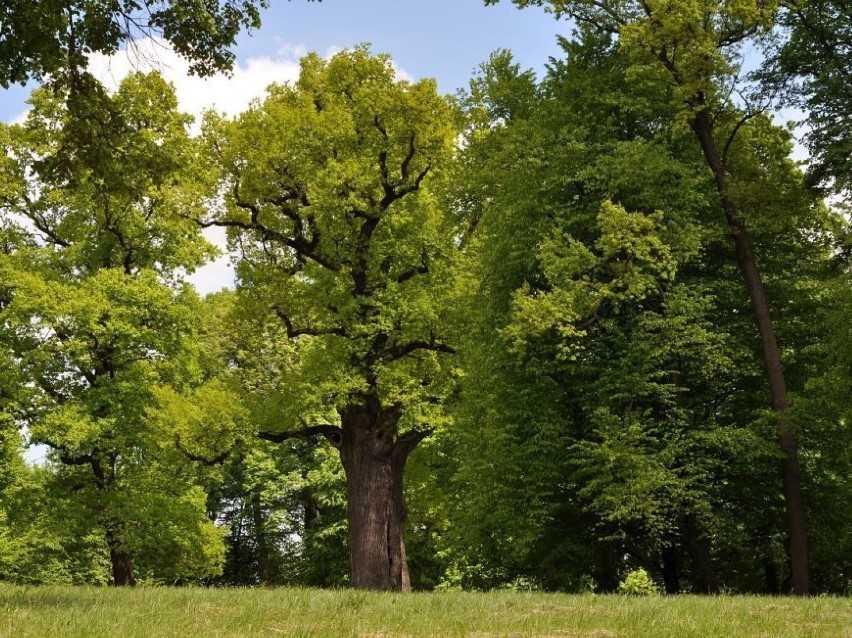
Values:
[(540, 333)]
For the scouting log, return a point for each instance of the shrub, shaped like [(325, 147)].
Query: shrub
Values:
[(637, 583)]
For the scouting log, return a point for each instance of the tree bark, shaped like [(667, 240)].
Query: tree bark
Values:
[(793, 498), (121, 560), (374, 459), (770, 573)]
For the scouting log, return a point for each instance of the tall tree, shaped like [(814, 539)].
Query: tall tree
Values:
[(327, 189), (96, 315), (698, 46)]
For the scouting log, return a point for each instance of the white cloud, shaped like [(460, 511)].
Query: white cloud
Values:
[(230, 94)]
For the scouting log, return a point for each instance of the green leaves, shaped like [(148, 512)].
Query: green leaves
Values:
[(45, 41), (98, 321), (331, 194)]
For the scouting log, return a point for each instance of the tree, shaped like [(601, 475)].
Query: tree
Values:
[(697, 46), (54, 38), (328, 192), (95, 316), (817, 58)]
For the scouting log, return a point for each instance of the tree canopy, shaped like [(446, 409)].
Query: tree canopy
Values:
[(559, 332)]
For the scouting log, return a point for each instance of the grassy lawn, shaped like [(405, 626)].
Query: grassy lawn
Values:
[(54, 612)]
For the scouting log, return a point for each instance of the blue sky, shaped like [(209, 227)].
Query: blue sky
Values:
[(445, 39)]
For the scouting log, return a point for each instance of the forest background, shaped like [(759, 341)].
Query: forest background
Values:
[(543, 333)]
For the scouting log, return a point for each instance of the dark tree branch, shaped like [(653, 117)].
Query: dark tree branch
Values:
[(71, 459), (398, 351), (304, 248), (293, 332), (406, 443), (403, 169), (332, 433), (421, 269), (207, 462)]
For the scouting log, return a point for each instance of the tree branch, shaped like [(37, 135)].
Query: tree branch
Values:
[(421, 269), (398, 351), (216, 460), (332, 433), (406, 443), (293, 332)]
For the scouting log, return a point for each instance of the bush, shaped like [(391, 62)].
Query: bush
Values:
[(637, 583)]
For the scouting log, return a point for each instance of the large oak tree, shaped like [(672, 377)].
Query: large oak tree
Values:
[(328, 190)]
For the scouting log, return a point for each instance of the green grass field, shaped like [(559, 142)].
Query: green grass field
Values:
[(54, 612)]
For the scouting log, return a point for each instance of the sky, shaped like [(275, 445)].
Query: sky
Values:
[(443, 39)]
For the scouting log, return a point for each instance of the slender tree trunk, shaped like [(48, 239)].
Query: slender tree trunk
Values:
[(374, 462), (794, 500), (121, 560)]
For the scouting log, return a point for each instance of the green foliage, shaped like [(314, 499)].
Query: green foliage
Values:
[(637, 583), (307, 172), (604, 413), (816, 59), (53, 38), (601, 299), (99, 322)]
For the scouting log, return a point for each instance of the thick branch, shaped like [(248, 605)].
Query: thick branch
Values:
[(406, 443), (400, 350), (293, 332), (331, 432)]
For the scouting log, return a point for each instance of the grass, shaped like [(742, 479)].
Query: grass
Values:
[(55, 612)]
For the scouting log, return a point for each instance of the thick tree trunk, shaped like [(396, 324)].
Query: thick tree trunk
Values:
[(794, 500), (770, 574), (121, 560), (374, 462)]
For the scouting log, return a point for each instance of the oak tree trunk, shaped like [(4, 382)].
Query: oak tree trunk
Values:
[(121, 560), (374, 460), (744, 255)]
